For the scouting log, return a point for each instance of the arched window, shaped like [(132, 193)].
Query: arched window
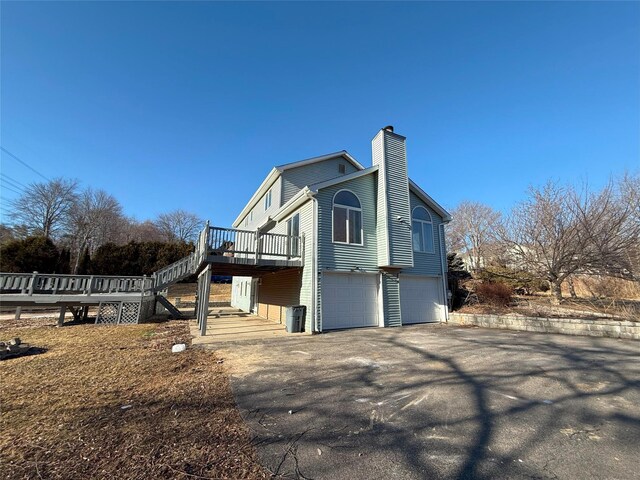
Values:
[(347, 218), (422, 230)]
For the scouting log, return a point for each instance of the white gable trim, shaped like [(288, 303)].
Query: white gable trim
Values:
[(345, 178), (276, 171), (322, 158), (446, 217), (262, 189), (303, 196)]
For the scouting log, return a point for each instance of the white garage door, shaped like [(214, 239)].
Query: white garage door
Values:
[(349, 300), (420, 299)]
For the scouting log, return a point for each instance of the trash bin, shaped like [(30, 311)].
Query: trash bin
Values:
[(295, 318)]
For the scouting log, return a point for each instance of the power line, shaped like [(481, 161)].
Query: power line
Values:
[(22, 162), (13, 180), (11, 189), (11, 184)]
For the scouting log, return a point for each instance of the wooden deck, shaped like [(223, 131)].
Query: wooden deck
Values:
[(244, 252), (47, 299), (218, 251)]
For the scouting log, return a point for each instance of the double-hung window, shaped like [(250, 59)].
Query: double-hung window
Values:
[(422, 230), (267, 200), (293, 236), (347, 218)]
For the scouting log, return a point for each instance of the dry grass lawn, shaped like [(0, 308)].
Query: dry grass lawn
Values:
[(542, 306), (220, 292), (114, 402)]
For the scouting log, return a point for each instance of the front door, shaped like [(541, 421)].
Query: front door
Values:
[(254, 296)]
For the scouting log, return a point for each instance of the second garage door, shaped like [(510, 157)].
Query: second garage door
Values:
[(349, 300), (420, 299)]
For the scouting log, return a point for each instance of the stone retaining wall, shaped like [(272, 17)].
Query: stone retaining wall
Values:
[(567, 326)]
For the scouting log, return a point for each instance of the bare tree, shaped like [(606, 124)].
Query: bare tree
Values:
[(132, 230), (629, 186), (179, 225), (558, 231), (472, 232), (6, 233), (44, 207), (93, 221), (611, 220), (544, 237)]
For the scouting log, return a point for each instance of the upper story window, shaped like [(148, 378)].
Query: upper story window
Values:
[(347, 218), (293, 236), (422, 230), (267, 200)]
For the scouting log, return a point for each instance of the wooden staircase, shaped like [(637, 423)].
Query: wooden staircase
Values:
[(131, 299), (174, 313), (183, 268)]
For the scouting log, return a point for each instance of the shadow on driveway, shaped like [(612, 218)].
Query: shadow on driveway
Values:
[(433, 401)]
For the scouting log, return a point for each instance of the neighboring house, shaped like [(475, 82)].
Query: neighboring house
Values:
[(495, 254), (373, 249)]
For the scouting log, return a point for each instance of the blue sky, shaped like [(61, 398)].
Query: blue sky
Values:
[(189, 105)]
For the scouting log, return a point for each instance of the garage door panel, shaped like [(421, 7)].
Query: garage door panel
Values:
[(349, 300), (420, 299)]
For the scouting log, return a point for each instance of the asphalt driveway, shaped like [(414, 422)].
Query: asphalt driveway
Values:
[(432, 401)]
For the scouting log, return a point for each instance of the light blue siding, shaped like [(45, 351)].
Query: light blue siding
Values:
[(387, 248), (306, 228), (382, 229), (400, 248), (391, 300), (427, 263), (251, 222), (389, 152), (295, 179), (306, 292), (342, 257)]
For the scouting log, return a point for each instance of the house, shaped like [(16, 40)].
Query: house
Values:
[(373, 250)]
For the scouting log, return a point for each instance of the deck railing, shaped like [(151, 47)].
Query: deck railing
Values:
[(227, 242), (250, 244), (186, 266), (45, 283), (175, 272), (202, 246)]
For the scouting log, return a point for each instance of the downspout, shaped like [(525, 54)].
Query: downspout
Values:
[(314, 263), (443, 260)]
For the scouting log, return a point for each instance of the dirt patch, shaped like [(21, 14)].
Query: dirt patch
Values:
[(242, 364), (220, 292), (114, 402)]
